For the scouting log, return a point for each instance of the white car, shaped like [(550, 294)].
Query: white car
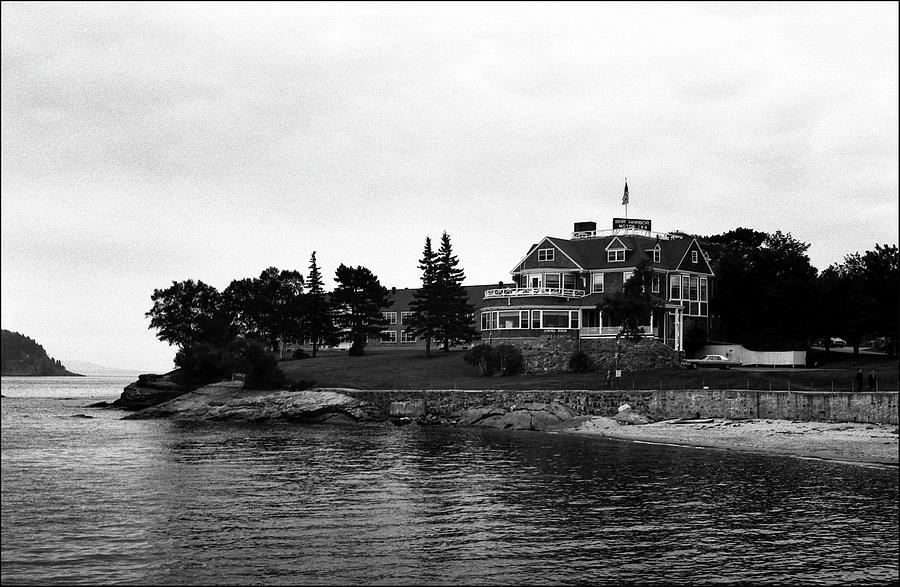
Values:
[(838, 342), (711, 361)]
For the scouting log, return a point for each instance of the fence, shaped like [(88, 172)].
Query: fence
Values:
[(755, 358)]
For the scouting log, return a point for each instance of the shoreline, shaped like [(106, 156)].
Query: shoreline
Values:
[(852, 443)]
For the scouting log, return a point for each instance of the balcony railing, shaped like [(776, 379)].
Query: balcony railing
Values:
[(515, 292), (604, 331)]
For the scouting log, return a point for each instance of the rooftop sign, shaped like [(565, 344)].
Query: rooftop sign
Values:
[(636, 223)]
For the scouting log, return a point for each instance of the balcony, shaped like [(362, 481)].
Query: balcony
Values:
[(520, 292)]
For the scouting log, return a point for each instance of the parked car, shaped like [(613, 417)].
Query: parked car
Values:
[(711, 361), (838, 342)]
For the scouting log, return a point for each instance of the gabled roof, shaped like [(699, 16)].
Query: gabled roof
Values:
[(552, 241), (591, 253), (612, 245)]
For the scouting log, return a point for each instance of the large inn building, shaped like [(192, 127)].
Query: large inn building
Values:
[(558, 284)]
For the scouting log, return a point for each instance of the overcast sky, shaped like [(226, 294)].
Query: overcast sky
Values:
[(149, 143)]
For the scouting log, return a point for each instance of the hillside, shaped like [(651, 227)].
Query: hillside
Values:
[(22, 356)]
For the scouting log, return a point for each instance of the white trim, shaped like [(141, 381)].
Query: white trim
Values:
[(621, 245)]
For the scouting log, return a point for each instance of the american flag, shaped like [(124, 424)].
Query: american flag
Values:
[(625, 197)]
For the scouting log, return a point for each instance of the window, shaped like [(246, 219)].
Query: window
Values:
[(656, 255), (551, 280), (485, 320), (654, 284), (694, 257), (407, 337), (616, 256), (568, 281), (494, 321), (405, 317), (546, 254), (391, 317), (388, 336), (597, 282), (703, 297), (573, 319), (555, 319), (509, 319), (534, 280), (535, 318), (675, 287)]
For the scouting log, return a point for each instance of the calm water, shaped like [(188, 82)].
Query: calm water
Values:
[(102, 500)]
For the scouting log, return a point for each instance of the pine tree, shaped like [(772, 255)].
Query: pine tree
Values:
[(454, 312), (318, 323), (358, 300), (425, 320)]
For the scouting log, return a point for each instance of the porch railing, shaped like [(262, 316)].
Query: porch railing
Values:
[(511, 292)]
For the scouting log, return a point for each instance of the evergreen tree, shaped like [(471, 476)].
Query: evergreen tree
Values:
[(358, 300), (452, 309), (317, 320), (425, 320)]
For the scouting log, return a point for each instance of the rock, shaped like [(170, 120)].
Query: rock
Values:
[(473, 415), (527, 416), (230, 401), (631, 417), (148, 390)]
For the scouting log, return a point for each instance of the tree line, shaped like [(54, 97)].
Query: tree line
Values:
[(238, 329), (768, 296)]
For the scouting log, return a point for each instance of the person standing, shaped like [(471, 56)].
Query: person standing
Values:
[(872, 380), (859, 381)]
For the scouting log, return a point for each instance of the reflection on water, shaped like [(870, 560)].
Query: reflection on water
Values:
[(103, 500)]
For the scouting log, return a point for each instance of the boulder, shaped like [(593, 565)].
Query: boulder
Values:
[(527, 416), (629, 416)]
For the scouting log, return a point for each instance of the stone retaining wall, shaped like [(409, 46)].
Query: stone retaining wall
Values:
[(875, 407), (551, 354)]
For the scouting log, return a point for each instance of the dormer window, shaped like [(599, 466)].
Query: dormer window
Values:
[(656, 255), (546, 254), (615, 256)]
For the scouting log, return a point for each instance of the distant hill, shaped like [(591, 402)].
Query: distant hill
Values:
[(20, 355), (95, 370)]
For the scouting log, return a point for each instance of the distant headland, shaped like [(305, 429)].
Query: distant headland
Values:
[(22, 356)]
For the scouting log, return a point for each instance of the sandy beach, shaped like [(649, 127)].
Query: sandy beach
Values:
[(850, 442)]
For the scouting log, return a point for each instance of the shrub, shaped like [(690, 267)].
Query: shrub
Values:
[(511, 361), (356, 350), (205, 363), (505, 359), (580, 362), (299, 354)]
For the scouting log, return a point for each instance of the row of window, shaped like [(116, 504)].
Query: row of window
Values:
[(552, 281), (390, 336), (513, 319), (391, 317), (612, 255)]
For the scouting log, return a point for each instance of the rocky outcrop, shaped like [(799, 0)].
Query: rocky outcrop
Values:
[(230, 401), (528, 416), (148, 390)]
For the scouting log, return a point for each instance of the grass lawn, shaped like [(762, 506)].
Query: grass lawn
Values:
[(383, 369)]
